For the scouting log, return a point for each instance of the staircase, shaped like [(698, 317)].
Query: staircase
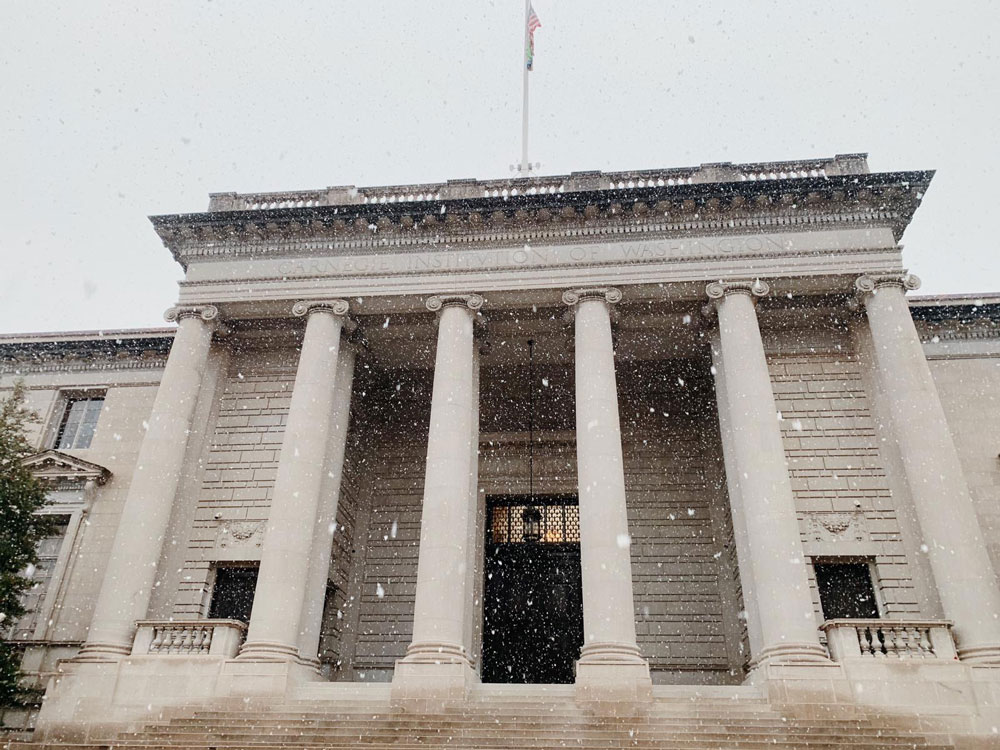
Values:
[(499, 718)]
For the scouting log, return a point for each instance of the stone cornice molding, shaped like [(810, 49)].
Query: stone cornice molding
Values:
[(607, 294), (440, 301), (718, 290), (101, 354), (869, 284), (305, 308), (25, 365), (589, 215)]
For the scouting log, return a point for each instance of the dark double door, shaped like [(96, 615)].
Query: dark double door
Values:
[(533, 606)]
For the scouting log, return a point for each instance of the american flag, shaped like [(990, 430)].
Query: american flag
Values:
[(533, 23)]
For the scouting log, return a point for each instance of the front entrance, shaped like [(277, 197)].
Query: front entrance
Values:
[(532, 601)]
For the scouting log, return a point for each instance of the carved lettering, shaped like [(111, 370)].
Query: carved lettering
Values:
[(448, 259)]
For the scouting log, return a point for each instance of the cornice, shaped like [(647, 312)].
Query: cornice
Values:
[(26, 366), (50, 354), (886, 199), (958, 330)]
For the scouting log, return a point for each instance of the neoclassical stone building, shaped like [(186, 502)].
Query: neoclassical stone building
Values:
[(618, 442)]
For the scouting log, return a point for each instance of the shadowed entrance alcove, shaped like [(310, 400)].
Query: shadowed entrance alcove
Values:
[(532, 600)]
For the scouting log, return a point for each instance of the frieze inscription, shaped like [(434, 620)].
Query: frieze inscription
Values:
[(447, 259)]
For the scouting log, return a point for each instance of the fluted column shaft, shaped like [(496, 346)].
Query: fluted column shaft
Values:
[(324, 531), (788, 628), (446, 549), (273, 634), (605, 557), (135, 554), (966, 583)]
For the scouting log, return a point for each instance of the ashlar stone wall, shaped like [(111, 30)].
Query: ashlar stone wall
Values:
[(844, 498)]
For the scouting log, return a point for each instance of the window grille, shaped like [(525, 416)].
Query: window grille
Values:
[(79, 421), (560, 521)]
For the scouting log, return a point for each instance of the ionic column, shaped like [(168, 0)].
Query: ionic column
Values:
[(437, 659), (962, 570), (610, 661), (323, 533), (770, 530), (135, 554), (273, 634)]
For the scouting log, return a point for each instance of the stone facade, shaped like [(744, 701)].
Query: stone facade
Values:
[(722, 375)]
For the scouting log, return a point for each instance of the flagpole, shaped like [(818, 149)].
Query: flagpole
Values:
[(525, 167)]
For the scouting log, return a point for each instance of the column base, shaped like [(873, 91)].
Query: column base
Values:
[(433, 673), (268, 651), (613, 673), (987, 654), (792, 653), (102, 652)]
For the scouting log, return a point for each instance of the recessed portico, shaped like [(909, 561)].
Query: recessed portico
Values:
[(399, 370)]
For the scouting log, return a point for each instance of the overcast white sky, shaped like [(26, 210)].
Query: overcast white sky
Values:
[(110, 112)]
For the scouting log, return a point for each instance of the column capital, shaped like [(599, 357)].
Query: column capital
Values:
[(607, 293), (868, 284), (176, 313), (304, 308), (718, 290), (439, 301)]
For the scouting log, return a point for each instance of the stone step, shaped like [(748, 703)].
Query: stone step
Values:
[(677, 744), (572, 712), (501, 740), (487, 730), (408, 724)]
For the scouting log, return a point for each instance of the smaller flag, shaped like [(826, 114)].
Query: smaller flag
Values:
[(533, 23)]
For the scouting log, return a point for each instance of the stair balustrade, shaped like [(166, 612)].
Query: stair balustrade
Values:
[(188, 638), (889, 639)]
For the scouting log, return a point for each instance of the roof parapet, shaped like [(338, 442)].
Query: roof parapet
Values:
[(349, 195)]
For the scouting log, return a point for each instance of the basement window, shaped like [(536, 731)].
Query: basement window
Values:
[(232, 595), (846, 590)]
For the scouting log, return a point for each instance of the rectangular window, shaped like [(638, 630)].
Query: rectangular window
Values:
[(232, 595), (41, 577), (79, 421), (846, 590)]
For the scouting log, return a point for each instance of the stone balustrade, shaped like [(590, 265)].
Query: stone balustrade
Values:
[(188, 638), (889, 639), (348, 195)]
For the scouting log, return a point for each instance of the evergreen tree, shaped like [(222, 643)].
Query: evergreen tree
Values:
[(21, 529)]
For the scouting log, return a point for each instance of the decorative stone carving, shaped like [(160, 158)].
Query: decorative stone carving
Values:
[(243, 535), (753, 287), (205, 312), (306, 307), (608, 294), (439, 301), (868, 284), (838, 527)]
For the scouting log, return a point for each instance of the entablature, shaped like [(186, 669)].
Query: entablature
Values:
[(83, 351), (470, 221)]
